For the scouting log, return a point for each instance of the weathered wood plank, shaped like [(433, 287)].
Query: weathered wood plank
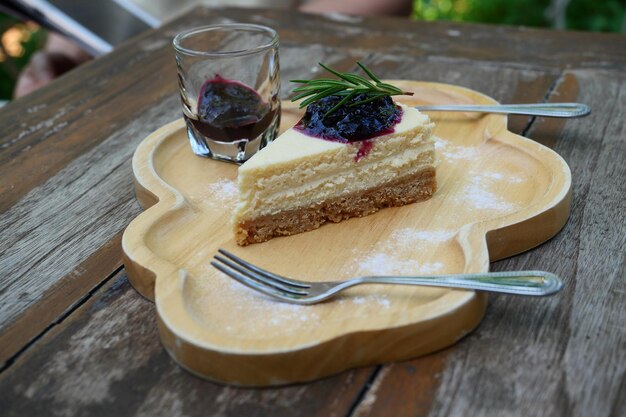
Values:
[(144, 67), (106, 359), (407, 389), (41, 133), (561, 356), (50, 233), (55, 301), (404, 389), (61, 223), (594, 357), (508, 45), (48, 150)]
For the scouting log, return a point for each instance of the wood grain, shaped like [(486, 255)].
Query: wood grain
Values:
[(56, 300), (562, 356), (58, 225), (68, 217), (42, 134), (106, 359), (519, 47)]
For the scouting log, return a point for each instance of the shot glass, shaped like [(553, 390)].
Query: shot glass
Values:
[(229, 86)]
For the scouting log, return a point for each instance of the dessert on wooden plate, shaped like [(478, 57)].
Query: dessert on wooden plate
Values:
[(215, 328), (353, 153)]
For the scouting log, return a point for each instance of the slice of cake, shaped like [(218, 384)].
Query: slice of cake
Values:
[(331, 166)]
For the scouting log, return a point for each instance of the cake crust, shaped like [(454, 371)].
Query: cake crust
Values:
[(409, 189)]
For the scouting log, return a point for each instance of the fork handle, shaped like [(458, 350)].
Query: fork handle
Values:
[(535, 283), (539, 109)]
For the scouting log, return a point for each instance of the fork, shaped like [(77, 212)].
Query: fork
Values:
[(537, 109), (537, 283)]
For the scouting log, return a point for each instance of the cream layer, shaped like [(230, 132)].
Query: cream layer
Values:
[(292, 193), (297, 170), (293, 149)]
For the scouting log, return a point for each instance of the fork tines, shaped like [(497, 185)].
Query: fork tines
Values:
[(259, 279)]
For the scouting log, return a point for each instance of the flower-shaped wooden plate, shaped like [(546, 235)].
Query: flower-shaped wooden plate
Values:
[(499, 194)]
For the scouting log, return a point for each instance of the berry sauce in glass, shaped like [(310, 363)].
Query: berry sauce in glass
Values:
[(229, 111)]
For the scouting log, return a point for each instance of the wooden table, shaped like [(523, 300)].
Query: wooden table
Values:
[(76, 339)]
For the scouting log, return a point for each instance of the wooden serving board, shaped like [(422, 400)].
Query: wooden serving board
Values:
[(499, 194)]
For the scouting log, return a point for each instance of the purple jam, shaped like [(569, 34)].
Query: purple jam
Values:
[(365, 146), (229, 110), (351, 124)]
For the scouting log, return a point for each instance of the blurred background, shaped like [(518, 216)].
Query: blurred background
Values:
[(19, 39)]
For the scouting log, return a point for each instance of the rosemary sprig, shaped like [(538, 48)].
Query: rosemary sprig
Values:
[(348, 86)]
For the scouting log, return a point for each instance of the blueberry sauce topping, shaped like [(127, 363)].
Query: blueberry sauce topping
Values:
[(350, 124)]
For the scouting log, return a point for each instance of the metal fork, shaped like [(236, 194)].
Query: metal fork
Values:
[(537, 283), (537, 109)]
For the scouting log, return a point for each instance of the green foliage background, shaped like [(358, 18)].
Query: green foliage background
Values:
[(11, 66), (591, 15)]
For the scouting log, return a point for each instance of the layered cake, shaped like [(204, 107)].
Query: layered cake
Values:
[(363, 156)]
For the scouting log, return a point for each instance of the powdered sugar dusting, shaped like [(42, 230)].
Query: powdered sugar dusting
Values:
[(219, 193), (380, 300), (493, 175), (404, 251), (479, 197), (409, 236), (384, 302), (450, 151), (498, 176), (440, 143), (385, 264), (250, 312), (278, 313), (477, 192), (223, 190), (395, 255)]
